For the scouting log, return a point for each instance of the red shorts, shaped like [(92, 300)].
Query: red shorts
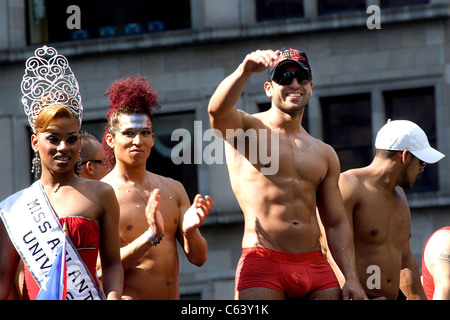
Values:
[(296, 274)]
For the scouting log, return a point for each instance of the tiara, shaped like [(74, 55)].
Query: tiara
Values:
[(48, 80)]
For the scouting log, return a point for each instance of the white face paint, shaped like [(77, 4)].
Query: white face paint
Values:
[(132, 124)]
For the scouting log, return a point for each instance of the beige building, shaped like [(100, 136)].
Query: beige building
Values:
[(367, 67)]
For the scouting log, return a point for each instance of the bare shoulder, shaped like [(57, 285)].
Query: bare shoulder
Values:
[(440, 238), (351, 177), (402, 195), (110, 178), (437, 248), (96, 187), (351, 185), (324, 151), (166, 183)]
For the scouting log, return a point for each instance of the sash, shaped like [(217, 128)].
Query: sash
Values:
[(36, 233)]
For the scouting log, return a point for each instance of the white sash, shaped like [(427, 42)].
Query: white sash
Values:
[(36, 233)]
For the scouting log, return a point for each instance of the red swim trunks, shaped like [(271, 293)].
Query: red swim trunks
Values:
[(296, 274)]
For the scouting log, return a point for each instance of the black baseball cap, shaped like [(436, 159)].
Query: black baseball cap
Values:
[(289, 55)]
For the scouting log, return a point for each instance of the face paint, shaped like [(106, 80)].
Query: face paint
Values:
[(133, 124)]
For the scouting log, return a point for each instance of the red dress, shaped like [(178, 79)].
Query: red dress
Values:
[(85, 236)]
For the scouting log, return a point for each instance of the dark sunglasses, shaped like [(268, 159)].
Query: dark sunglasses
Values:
[(422, 164), (287, 77), (96, 161)]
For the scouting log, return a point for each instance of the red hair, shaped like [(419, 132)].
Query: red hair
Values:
[(131, 95)]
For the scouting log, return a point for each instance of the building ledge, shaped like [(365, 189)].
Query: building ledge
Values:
[(192, 37)]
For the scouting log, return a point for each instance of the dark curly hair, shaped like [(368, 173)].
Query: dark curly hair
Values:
[(131, 95)]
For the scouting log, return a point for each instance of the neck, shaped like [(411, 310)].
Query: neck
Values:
[(290, 122), (54, 181), (131, 173), (384, 173)]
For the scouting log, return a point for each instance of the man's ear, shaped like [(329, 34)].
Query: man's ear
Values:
[(268, 88), (89, 168), (404, 156)]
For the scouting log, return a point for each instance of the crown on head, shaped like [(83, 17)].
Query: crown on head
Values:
[(48, 80)]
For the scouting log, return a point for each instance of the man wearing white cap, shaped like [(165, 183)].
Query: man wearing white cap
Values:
[(378, 210)]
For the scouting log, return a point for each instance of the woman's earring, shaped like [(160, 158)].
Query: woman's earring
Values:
[(36, 165), (78, 167)]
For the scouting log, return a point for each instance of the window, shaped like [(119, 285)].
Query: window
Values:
[(416, 105), (160, 160), (347, 127), (336, 6), (104, 18), (399, 3), (278, 9)]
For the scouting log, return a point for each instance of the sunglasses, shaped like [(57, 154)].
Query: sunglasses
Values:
[(422, 164), (96, 161), (287, 77)]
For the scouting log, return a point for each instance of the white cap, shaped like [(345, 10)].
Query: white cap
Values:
[(401, 135)]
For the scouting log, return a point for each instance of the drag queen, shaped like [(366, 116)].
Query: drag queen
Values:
[(60, 205)]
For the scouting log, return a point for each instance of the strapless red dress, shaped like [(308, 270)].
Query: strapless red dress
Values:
[(85, 236)]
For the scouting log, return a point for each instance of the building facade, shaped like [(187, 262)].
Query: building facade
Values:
[(368, 65)]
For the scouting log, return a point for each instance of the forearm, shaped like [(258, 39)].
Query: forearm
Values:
[(340, 243), (131, 253), (410, 283), (195, 247), (228, 93), (113, 281)]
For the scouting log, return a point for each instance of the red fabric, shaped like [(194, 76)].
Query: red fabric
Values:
[(85, 236), (295, 274), (427, 279)]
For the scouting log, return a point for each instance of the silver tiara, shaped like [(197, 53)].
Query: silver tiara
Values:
[(48, 80)]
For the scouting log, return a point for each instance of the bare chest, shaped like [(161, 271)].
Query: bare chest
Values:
[(382, 221), (275, 155), (133, 214), (68, 203)]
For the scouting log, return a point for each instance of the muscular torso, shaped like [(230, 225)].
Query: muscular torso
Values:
[(155, 275), (279, 209), (382, 225)]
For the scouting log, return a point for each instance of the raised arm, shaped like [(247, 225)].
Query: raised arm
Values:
[(222, 106)]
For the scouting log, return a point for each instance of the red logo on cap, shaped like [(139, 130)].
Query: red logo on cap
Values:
[(291, 54)]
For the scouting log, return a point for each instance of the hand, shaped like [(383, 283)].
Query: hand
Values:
[(196, 214), (259, 60), (353, 290), (154, 216)]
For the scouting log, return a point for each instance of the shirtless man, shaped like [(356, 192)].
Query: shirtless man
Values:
[(436, 265), (279, 209), (378, 210), (150, 204)]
